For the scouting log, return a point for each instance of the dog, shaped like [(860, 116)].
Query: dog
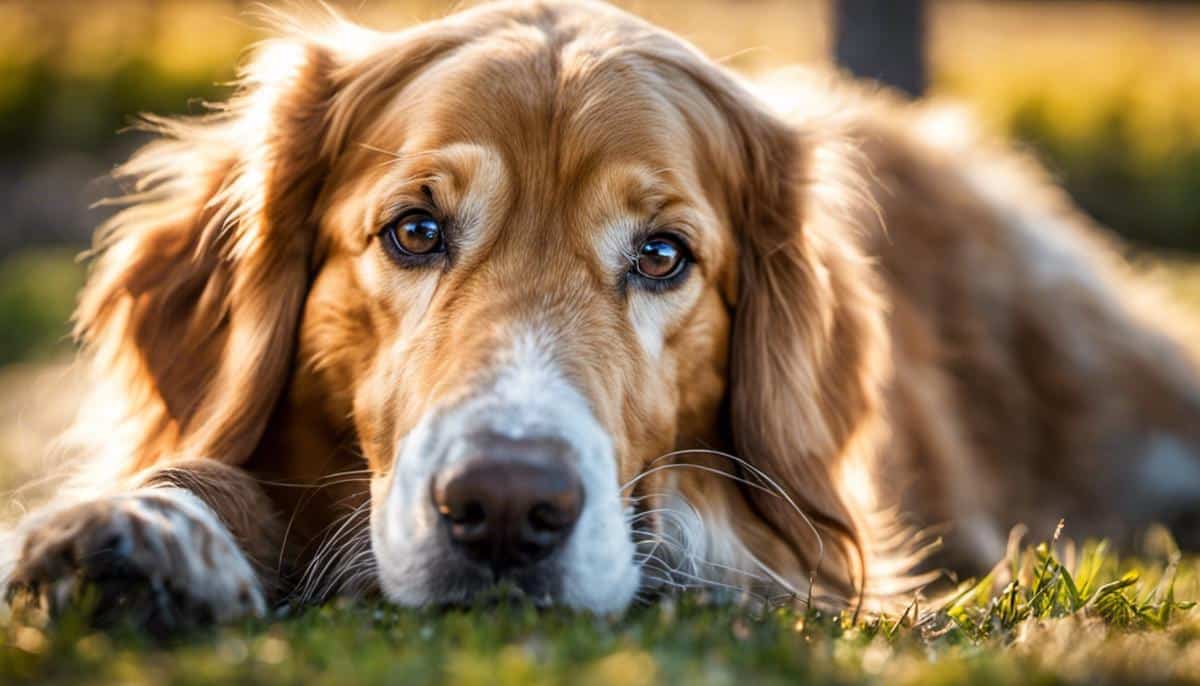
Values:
[(536, 300)]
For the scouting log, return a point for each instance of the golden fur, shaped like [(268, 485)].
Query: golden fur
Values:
[(879, 322)]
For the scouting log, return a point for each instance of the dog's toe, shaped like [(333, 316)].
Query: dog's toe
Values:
[(160, 560)]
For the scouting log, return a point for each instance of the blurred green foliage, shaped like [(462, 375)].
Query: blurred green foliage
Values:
[(42, 108), (73, 73), (1147, 195), (37, 294), (1108, 95)]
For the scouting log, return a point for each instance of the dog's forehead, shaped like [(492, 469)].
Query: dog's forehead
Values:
[(547, 128), (554, 106)]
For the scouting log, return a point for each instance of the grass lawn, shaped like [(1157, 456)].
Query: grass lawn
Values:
[(1085, 617)]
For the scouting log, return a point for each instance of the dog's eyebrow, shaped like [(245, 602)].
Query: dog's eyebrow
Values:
[(395, 155), (665, 203), (652, 190)]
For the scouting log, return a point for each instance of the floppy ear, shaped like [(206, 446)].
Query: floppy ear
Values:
[(809, 352), (192, 305)]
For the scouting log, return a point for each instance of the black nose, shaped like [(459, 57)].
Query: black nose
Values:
[(512, 502)]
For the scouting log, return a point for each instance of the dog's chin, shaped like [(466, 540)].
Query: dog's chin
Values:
[(541, 588), (458, 585), (448, 581)]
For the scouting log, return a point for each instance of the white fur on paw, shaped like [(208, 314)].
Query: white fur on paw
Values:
[(165, 537)]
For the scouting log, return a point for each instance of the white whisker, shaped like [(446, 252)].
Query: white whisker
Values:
[(325, 557), (771, 486), (700, 467)]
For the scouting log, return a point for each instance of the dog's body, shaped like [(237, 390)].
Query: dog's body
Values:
[(1023, 356), (514, 261)]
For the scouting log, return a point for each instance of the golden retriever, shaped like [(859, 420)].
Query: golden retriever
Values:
[(536, 300)]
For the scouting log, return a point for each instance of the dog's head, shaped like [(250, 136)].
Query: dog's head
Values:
[(521, 256)]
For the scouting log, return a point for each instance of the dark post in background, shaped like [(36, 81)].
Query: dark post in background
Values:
[(882, 40)]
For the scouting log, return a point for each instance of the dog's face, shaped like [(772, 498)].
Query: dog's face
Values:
[(525, 293), (516, 256)]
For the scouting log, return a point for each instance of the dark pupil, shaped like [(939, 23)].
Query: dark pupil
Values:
[(419, 235), (658, 258)]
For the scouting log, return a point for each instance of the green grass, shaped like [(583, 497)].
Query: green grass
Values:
[(1083, 616)]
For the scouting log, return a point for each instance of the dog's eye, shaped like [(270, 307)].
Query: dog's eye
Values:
[(660, 258), (414, 234)]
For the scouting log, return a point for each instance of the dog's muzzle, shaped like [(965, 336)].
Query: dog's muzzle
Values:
[(512, 487)]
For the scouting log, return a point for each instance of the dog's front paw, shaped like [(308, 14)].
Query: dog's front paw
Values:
[(160, 557)]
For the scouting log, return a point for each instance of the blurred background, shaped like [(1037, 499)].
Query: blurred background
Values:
[(1107, 94)]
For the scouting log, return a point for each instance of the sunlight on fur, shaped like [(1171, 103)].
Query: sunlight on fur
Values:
[(544, 258)]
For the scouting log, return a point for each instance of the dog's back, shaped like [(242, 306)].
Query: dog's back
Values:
[(1033, 381)]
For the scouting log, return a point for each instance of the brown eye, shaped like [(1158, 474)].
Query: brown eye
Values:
[(661, 258), (414, 235)]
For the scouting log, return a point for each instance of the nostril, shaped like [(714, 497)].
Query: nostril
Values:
[(472, 514), (545, 526), (547, 518), (468, 520), (553, 518), (469, 512)]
